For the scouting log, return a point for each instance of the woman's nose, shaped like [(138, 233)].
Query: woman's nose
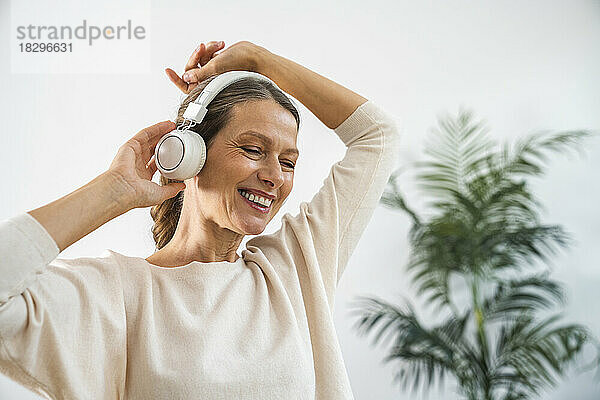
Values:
[(271, 173)]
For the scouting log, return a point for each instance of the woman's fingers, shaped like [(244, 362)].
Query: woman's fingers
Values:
[(203, 54), (148, 137), (180, 83), (210, 49), (135, 166), (168, 191), (195, 58), (152, 163), (151, 167), (152, 134), (193, 74)]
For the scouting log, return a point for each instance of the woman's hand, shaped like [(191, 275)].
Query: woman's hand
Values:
[(134, 166), (241, 56)]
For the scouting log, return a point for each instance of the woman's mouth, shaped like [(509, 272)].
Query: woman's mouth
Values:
[(257, 202)]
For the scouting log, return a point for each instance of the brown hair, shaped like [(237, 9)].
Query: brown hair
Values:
[(166, 214)]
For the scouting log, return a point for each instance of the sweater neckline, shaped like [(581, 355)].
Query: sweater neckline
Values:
[(192, 264), (196, 263)]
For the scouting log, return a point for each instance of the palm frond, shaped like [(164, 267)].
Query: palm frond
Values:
[(529, 151), (424, 354), (455, 148), (516, 247), (393, 198), (515, 297), (528, 155), (530, 354)]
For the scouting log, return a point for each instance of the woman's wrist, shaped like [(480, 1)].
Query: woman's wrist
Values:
[(121, 193), (82, 211), (260, 60)]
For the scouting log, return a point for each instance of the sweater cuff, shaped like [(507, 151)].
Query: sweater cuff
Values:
[(362, 119), (25, 247), (38, 235)]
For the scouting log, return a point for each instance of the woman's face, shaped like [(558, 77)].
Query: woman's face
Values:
[(252, 156)]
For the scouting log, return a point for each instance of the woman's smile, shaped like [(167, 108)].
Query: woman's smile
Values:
[(254, 201)]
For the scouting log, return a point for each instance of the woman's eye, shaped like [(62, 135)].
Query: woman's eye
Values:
[(255, 151), (249, 150)]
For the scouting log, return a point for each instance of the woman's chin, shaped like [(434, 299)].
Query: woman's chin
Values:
[(253, 231), (249, 228)]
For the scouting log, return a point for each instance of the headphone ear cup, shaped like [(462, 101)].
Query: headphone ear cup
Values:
[(180, 154)]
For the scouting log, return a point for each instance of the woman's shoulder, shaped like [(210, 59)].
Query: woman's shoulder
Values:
[(86, 266), (109, 264), (105, 273), (276, 248), (105, 259)]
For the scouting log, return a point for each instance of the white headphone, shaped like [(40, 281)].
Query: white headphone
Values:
[(180, 154)]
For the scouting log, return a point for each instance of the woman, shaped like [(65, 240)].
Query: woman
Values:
[(195, 319)]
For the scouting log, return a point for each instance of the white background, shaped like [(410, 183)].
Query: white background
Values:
[(521, 66)]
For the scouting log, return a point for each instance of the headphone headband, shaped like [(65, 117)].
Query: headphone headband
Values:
[(197, 110)]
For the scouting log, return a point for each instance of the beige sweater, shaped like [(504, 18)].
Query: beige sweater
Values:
[(118, 327)]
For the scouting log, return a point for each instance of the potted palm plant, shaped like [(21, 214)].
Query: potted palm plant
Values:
[(480, 241)]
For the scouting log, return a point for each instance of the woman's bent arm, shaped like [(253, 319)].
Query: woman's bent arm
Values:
[(331, 102), (126, 185), (73, 216)]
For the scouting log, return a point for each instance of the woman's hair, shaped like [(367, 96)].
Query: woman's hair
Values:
[(166, 214)]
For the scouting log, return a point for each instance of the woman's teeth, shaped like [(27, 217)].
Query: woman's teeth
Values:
[(256, 199)]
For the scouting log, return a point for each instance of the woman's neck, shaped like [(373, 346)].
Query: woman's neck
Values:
[(205, 242)]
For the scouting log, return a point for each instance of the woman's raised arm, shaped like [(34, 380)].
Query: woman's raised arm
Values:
[(329, 101)]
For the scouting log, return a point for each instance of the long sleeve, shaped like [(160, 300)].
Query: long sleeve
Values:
[(325, 232), (62, 322)]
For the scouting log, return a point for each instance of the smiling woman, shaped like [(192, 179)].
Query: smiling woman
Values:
[(195, 319), (250, 132)]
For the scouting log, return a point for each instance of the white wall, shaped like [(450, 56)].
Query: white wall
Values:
[(522, 66)]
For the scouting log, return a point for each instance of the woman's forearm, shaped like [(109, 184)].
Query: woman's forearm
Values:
[(331, 102), (73, 216)]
